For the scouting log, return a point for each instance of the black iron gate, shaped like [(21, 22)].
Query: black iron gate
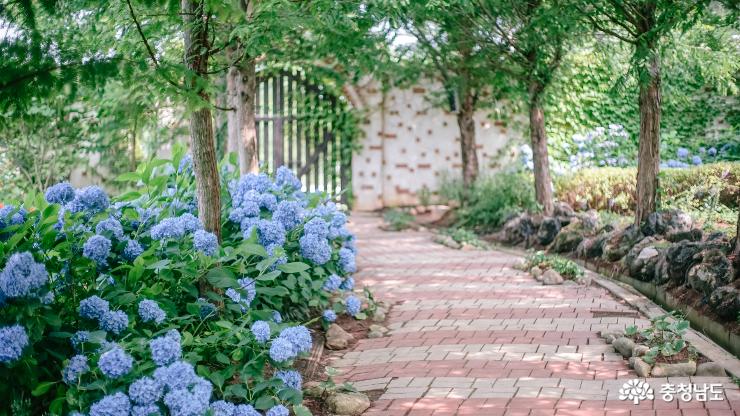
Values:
[(295, 128)]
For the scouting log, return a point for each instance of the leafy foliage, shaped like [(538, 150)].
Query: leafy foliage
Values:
[(140, 269), (665, 337), (398, 219), (565, 267)]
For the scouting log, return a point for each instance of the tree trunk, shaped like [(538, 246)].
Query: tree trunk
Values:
[(468, 151), (232, 126), (247, 90), (201, 125), (648, 158), (538, 137)]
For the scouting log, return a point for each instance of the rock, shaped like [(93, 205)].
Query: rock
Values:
[(710, 370), (714, 270), (725, 302), (348, 404), (640, 350), (593, 247), (691, 235), (551, 277), (681, 256), (589, 220), (375, 334), (643, 257), (379, 315), (609, 337), (337, 338), (620, 242), (641, 367), (624, 346), (666, 222), (568, 238), (313, 389), (536, 272), (379, 328), (517, 229), (584, 280), (548, 230), (686, 369), (562, 209), (447, 241)]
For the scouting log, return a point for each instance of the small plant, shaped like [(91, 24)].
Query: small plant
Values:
[(398, 220), (664, 337), (565, 267), (425, 197), (464, 236)]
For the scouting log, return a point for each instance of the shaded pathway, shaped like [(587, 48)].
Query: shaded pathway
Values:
[(470, 334)]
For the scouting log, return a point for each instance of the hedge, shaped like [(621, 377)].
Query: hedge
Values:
[(613, 189)]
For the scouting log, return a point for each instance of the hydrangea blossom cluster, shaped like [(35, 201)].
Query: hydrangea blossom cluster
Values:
[(176, 227), (246, 296), (95, 308), (97, 248), (110, 226), (166, 349), (13, 340), (205, 242), (133, 250), (149, 311), (76, 367), (22, 276), (90, 200), (329, 315), (332, 283), (299, 337), (10, 215), (290, 378), (261, 331), (115, 363), (61, 193), (353, 305)]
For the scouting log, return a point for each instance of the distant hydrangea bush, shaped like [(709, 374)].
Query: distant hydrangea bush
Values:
[(133, 294)]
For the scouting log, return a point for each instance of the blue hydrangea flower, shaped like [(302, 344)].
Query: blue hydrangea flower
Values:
[(93, 307), (79, 338), (316, 249), (712, 151), (22, 276), (329, 315), (166, 349), (177, 375), (206, 309), (288, 213), (332, 283), (232, 294), (116, 404), (61, 193), (189, 401), (248, 285), (97, 248), (48, 298), (205, 242), (285, 178), (316, 226), (168, 228), (186, 164), (145, 390), (278, 410), (290, 378), (222, 408), (276, 317), (115, 363), (246, 410), (149, 311), (347, 260), (696, 160), (299, 337), (145, 410), (133, 250), (114, 321), (76, 367), (244, 211), (13, 339), (91, 200), (348, 284), (261, 331), (682, 153), (353, 305), (190, 223), (110, 226), (248, 225), (270, 233), (281, 350), (267, 201)]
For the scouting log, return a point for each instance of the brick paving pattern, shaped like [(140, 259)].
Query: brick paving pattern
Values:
[(470, 334)]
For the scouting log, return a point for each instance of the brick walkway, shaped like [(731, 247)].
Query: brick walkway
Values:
[(470, 334)]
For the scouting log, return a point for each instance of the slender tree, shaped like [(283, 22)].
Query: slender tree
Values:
[(197, 49), (646, 25), (528, 40)]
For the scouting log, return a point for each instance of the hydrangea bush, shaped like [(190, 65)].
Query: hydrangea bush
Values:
[(126, 305)]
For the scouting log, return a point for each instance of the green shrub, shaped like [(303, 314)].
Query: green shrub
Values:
[(463, 236), (398, 219), (566, 267), (703, 191), (496, 197)]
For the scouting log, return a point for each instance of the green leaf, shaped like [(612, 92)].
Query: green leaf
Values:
[(295, 267), (301, 410), (268, 277), (265, 402), (42, 388), (128, 177), (222, 278)]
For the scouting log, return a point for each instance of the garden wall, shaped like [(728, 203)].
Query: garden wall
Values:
[(408, 142)]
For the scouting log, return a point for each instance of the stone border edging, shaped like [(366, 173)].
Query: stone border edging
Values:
[(633, 297)]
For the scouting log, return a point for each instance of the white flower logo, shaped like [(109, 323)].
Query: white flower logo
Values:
[(636, 390)]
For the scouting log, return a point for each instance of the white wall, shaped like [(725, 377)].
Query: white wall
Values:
[(408, 142)]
